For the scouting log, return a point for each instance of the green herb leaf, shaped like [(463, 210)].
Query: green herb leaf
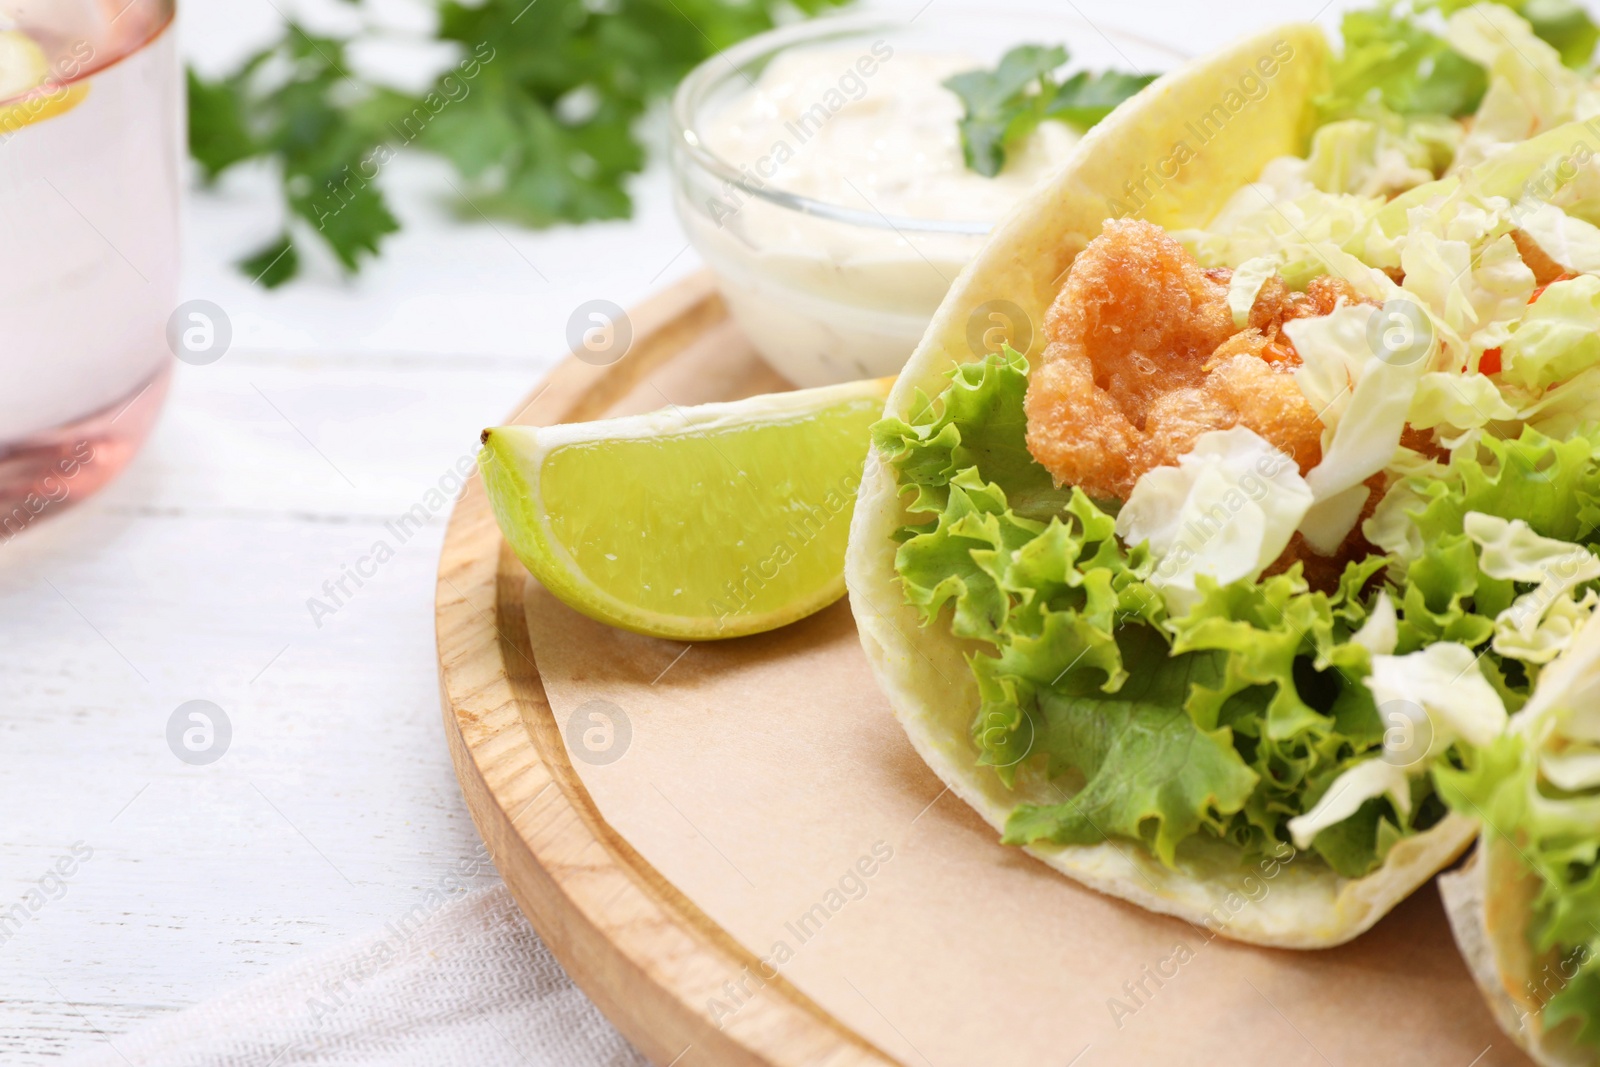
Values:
[(1084, 99), (995, 100), (537, 115), (1005, 105), (295, 102), (274, 264), (218, 137)]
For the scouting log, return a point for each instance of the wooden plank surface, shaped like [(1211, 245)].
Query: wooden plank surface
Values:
[(335, 808)]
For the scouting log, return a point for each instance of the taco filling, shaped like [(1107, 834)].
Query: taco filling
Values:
[(1536, 792), (1282, 514)]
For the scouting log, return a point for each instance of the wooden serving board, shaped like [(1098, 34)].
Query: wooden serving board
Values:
[(733, 849)]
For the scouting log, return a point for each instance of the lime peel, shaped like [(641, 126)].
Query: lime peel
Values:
[(690, 523)]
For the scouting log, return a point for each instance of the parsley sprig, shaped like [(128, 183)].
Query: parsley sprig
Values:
[(539, 117), (1006, 104)]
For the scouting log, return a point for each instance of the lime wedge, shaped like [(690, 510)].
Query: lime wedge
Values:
[(690, 523)]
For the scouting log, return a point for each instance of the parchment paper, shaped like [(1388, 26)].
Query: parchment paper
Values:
[(768, 780)]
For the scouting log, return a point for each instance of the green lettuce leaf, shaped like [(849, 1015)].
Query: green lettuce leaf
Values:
[(1552, 485), (1556, 338), (1391, 60), (1565, 25), (1112, 719), (1150, 773), (1455, 587), (977, 422)]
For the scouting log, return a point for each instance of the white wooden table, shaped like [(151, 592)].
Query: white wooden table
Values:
[(340, 406)]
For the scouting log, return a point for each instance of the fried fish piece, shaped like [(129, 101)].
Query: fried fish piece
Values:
[(1260, 395), (1144, 314), (1144, 357)]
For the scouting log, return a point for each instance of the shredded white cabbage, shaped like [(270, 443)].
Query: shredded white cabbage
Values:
[(1381, 632), (1530, 90), (1362, 398), (1282, 214), (1562, 717), (1368, 779), (1245, 286), (1556, 339), (1379, 158), (1539, 624), (1457, 402), (1445, 681), (1227, 510), (1571, 242)]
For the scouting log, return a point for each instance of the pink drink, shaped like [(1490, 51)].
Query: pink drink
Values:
[(89, 185)]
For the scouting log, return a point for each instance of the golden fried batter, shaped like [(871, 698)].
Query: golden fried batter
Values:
[(1142, 312), (1269, 401), (1276, 305), (1144, 358)]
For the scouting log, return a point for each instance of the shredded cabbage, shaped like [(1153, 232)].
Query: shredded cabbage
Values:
[(1227, 510)]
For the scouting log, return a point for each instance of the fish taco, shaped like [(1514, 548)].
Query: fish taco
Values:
[(1525, 909), (1241, 484)]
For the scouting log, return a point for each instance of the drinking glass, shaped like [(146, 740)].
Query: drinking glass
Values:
[(90, 119)]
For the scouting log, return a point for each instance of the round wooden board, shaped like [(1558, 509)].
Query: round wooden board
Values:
[(638, 947), (783, 748)]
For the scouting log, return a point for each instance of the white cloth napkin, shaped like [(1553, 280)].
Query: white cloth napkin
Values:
[(467, 985)]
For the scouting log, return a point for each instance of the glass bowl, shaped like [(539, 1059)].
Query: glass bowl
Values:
[(829, 290)]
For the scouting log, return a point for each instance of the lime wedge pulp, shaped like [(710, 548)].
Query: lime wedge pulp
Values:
[(690, 523)]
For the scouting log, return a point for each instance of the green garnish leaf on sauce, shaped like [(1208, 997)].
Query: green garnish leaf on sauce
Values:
[(1006, 104)]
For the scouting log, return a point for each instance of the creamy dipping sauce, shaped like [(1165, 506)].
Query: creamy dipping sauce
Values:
[(886, 141), (871, 130)]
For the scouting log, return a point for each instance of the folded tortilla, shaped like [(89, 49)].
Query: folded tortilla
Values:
[(1515, 905), (1488, 901), (1133, 154)]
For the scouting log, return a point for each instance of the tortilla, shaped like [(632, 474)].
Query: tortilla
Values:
[(1173, 154), (1488, 902)]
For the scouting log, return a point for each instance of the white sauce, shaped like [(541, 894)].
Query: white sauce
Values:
[(866, 128), (893, 146)]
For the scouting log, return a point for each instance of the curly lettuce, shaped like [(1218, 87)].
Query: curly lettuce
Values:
[(1399, 58), (1111, 717), (1551, 484), (1256, 711)]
